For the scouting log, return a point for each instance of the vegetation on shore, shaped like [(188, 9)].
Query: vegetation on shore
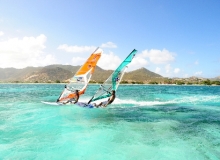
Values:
[(168, 81), (62, 74)]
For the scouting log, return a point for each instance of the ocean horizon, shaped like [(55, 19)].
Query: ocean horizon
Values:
[(144, 122)]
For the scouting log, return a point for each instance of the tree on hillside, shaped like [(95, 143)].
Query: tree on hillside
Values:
[(207, 82)]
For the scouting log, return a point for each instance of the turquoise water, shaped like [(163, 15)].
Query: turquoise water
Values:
[(144, 122)]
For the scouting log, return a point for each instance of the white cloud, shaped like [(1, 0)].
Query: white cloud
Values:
[(168, 68), (82, 59), (76, 49), (138, 62), (109, 45), (198, 73), (176, 70), (112, 61), (109, 61), (159, 56), (157, 70), (78, 61), (1, 33), (20, 53)]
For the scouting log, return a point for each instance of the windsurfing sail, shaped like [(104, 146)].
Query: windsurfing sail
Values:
[(114, 80), (81, 79)]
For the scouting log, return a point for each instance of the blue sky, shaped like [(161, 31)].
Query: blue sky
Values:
[(173, 38)]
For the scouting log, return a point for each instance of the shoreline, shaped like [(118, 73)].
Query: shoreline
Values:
[(120, 84)]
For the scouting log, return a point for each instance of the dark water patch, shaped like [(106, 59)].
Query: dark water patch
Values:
[(170, 109), (140, 114)]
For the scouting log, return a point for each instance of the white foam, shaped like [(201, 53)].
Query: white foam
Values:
[(186, 99), (140, 103), (197, 99)]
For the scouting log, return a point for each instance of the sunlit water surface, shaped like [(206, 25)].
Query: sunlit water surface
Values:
[(144, 122)]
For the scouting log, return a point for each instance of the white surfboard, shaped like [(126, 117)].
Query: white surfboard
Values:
[(52, 103), (79, 104)]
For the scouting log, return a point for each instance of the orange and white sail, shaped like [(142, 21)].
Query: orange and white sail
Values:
[(81, 79)]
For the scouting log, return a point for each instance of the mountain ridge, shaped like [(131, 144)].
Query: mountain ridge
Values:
[(59, 72), (62, 73)]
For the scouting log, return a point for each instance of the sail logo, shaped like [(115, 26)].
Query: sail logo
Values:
[(79, 79), (117, 79)]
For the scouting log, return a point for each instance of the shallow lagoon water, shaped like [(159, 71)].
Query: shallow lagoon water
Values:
[(144, 122)]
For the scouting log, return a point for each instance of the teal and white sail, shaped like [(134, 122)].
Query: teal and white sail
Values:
[(114, 80)]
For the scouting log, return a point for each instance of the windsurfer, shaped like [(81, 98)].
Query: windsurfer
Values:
[(109, 101), (73, 100)]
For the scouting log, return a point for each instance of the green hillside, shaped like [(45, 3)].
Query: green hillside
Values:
[(62, 73)]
